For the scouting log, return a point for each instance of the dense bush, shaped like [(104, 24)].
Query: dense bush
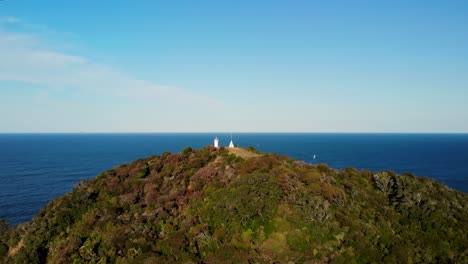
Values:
[(3, 226), (187, 150), (211, 206)]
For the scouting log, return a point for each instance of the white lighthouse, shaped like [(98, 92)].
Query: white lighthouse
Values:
[(216, 142)]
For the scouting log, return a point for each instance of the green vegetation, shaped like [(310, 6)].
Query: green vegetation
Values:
[(252, 149), (210, 206), (187, 150), (3, 226)]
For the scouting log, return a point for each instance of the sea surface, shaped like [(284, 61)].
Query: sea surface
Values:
[(36, 168)]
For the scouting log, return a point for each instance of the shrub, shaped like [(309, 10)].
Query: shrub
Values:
[(311, 177), (3, 249), (187, 150), (248, 202), (252, 149), (3, 226), (383, 181)]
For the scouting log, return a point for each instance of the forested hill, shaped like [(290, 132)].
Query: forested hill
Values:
[(211, 206)]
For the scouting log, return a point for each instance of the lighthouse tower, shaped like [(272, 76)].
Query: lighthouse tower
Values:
[(216, 142)]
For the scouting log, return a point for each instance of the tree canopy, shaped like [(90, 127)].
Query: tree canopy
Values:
[(210, 206)]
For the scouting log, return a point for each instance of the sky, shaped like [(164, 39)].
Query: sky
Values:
[(233, 66)]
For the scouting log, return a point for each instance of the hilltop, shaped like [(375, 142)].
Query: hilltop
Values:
[(244, 153), (242, 206)]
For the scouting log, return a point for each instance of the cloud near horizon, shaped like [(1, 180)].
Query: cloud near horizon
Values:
[(28, 60)]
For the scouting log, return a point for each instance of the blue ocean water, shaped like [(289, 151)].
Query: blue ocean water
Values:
[(36, 168)]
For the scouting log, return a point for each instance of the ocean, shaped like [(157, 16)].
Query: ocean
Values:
[(36, 168)]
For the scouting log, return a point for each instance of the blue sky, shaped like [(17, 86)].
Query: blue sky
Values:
[(251, 66)]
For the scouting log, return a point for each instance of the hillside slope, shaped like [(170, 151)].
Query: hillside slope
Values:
[(211, 206)]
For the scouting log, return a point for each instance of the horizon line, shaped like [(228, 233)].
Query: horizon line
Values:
[(222, 132)]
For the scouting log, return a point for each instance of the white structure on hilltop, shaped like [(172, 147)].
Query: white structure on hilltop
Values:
[(231, 144), (216, 143)]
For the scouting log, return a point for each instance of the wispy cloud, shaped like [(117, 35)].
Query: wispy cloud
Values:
[(27, 59), (9, 20), (24, 60)]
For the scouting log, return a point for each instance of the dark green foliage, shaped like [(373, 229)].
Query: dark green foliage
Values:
[(187, 150), (3, 226), (230, 158), (143, 172), (210, 206), (252, 149), (3, 229), (3, 249), (247, 203)]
